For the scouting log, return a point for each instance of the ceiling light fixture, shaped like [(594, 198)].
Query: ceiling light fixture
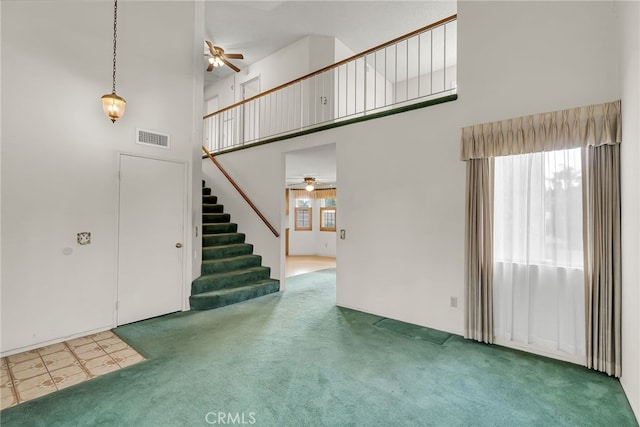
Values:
[(310, 184), (112, 104), (216, 61)]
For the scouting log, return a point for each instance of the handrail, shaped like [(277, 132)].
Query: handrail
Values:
[(337, 64), (244, 196)]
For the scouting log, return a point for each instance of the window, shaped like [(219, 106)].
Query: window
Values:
[(538, 283), (538, 209), (303, 215), (327, 219), (328, 215)]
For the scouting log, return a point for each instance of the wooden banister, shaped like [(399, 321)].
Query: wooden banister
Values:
[(337, 64), (242, 193)]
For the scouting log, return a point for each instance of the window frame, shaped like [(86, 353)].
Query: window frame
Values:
[(335, 213), (297, 227)]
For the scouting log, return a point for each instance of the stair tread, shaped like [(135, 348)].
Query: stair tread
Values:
[(212, 240), (219, 227), (228, 246), (226, 250), (215, 217), (231, 273), (225, 291), (231, 258)]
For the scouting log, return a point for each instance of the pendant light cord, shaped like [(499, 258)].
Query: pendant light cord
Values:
[(115, 32)]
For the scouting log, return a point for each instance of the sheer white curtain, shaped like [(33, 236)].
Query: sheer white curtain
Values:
[(538, 283)]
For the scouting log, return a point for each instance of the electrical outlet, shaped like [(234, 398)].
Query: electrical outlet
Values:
[(454, 302)]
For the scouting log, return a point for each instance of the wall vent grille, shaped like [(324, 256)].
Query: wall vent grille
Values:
[(155, 139)]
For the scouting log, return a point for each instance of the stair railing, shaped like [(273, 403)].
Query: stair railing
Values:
[(242, 193), (417, 67)]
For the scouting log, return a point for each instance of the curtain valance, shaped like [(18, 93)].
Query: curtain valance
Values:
[(327, 193), (593, 125)]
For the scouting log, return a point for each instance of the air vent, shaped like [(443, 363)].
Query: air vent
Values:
[(155, 139)]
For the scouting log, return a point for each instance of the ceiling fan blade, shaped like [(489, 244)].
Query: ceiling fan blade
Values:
[(211, 49), (230, 65), (234, 55), (210, 67)]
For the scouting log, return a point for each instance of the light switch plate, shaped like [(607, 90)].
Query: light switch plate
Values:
[(84, 238)]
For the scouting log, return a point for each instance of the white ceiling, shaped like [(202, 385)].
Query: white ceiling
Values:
[(259, 28)]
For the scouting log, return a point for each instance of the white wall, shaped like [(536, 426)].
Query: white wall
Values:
[(629, 22), (442, 80), (342, 51), (289, 63), (60, 153), (406, 261)]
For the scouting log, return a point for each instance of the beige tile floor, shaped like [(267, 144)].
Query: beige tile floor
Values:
[(295, 265), (45, 370)]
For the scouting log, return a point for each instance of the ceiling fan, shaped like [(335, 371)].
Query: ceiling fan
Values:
[(308, 183), (217, 57)]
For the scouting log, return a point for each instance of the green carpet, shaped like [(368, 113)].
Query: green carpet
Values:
[(295, 359), (414, 331)]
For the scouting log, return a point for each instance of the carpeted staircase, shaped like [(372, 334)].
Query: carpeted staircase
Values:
[(230, 271)]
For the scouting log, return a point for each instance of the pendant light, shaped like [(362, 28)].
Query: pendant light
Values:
[(112, 104)]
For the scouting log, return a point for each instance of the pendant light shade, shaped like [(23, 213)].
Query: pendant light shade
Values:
[(113, 106)]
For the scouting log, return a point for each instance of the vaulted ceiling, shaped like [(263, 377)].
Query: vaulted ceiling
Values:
[(260, 28)]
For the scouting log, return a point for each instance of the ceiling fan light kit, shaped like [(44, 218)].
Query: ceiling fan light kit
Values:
[(310, 184), (216, 62)]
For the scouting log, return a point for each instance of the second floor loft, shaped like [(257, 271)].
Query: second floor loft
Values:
[(407, 72)]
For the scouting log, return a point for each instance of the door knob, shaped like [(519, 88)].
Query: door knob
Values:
[(178, 245)]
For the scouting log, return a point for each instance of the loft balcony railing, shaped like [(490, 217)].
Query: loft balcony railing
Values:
[(417, 67)]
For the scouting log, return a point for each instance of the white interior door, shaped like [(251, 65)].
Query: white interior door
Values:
[(250, 111), (151, 232)]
